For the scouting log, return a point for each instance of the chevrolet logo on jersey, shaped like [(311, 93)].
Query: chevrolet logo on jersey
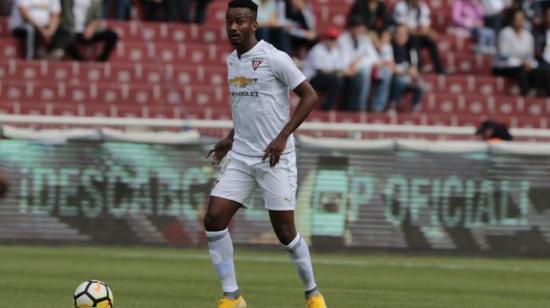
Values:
[(241, 82)]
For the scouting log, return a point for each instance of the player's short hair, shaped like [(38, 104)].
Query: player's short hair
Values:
[(249, 4)]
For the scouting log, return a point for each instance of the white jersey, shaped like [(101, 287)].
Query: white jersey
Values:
[(40, 11), (259, 85)]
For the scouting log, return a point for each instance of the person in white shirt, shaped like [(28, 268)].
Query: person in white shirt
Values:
[(416, 15), (32, 21), (80, 23), (516, 54), (324, 68), (362, 60), (542, 40), (260, 78), (544, 36)]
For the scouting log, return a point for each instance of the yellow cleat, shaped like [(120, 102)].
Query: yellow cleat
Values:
[(225, 302), (316, 301)]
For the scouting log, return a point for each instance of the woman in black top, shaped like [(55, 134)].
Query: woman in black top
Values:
[(374, 17)]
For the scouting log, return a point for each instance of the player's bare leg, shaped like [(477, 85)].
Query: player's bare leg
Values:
[(285, 229), (216, 222)]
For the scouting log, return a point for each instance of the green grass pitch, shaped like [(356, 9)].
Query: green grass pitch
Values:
[(168, 278)]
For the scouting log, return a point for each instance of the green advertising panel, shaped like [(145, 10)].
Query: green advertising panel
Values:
[(130, 193)]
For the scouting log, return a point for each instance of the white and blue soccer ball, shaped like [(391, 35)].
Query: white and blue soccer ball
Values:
[(93, 293)]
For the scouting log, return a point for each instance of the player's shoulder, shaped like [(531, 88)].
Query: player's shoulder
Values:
[(272, 51), (231, 56), (278, 59)]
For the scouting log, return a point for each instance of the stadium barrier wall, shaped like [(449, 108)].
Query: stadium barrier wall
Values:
[(105, 188)]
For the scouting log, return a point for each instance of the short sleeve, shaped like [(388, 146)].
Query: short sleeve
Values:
[(55, 6), (285, 70)]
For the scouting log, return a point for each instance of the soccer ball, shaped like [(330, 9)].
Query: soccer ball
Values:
[(93, 293)]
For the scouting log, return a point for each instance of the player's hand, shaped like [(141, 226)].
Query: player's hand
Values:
[(275, 149), (220, 150)]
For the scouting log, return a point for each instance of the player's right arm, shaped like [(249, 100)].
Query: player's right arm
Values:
[(221, 148)]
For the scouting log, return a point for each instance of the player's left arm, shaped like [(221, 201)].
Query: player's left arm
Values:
[(308, 99)]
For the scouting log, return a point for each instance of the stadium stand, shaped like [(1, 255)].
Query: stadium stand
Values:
[(161, 70)]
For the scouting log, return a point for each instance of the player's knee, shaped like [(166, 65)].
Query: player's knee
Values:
[(213, 222), (285, 234)]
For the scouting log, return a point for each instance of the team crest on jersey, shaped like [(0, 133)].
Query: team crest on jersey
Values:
[(256, 62)]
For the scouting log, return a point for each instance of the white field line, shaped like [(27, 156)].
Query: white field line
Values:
[(340, 262)]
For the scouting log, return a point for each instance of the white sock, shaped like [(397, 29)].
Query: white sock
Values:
[(221, 253), (299, 254)]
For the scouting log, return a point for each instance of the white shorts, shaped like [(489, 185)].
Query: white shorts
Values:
[(240, 176)]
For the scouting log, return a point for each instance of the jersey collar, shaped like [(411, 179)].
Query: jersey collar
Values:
[(251, 51)]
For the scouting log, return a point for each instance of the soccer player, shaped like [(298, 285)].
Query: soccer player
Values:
[(260, 151)]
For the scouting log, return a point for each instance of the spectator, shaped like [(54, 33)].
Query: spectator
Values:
[(516, 55), (373, 15), (468, 20), (269, 25), (406, 77), (415, 14), (123, 9), (533, 11), (542, 39), (80, 22), (160, 10), (361, 60), (299, 23), (324, 67), (34, 21), (382, 77), (5, 6), (494, 10), (199, 12), (493, 132)]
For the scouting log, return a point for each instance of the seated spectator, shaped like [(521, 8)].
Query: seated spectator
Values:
[(123, 9), (5, 7), (493, 132), (299, 24), (533, 11), (406, 77), (160, 10), (269, 26), (468, 20), (80, 23), (361, 61), (35, 21), (415, 14), (373, 14), (494, 13), (516, 56), (382, 77), (199, 12), (542, 40), (324, 68)]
